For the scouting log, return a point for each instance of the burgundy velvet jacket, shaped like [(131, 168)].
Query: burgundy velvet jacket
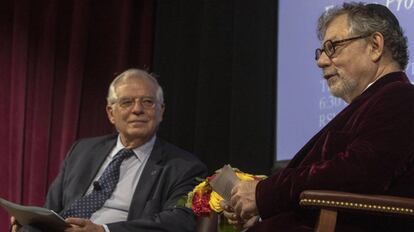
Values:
[(367, 148)]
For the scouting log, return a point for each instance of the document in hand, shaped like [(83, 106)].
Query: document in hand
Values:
[(224, 182), (41, 218)]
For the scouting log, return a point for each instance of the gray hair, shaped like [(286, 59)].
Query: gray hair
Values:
[(367, 19), (133, 73)]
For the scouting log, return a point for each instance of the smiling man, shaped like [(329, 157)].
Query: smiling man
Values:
[(130, 181), (367, 148)]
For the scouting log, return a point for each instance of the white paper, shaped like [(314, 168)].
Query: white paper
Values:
[(224, 182), (41, 218)]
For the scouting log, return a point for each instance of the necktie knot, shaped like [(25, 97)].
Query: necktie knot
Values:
[(124, 154)]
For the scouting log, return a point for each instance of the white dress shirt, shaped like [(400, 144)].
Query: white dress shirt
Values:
[(116, 208)]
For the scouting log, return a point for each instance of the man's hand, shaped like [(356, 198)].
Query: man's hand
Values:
[(231, 216), (235, 220), (243, 199), (80, 224), (15, 226)]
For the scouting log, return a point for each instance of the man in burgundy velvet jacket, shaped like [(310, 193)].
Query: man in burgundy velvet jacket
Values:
[(367, 148)]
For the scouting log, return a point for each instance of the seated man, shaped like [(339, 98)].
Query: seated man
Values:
[(367, 148), (130, 181)]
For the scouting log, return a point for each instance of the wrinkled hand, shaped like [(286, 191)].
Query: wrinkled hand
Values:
[(231, 215), (15, 226), (243, 199), (235, 220), (80, 224)]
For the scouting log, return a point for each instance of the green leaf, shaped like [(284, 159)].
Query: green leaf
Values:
[(182, 201)]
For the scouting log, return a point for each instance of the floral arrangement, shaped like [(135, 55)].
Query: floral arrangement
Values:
[(203, 200)]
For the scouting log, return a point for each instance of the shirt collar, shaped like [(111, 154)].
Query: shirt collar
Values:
[(140, 152), (372, 83)]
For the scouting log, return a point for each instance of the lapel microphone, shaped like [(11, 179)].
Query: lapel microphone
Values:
[(97, 186)]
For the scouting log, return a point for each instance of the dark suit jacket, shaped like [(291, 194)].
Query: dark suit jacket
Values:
[(169, 174), (367, 148)]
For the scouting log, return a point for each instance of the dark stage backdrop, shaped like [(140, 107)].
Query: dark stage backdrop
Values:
[(215, 60)]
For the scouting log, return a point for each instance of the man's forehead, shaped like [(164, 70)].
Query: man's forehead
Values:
[(143, 87), (338, 28), (137, 82)]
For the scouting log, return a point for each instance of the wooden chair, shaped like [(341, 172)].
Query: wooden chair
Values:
[(331, 202)]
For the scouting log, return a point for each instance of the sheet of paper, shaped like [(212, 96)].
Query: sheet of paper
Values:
[(224, 182), (41, 218)]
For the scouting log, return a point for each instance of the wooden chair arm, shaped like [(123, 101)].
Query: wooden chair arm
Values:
[(350, 201)]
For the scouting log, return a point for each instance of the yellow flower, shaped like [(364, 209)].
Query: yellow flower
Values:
[(244, 176), (214, 202), (202, 187)]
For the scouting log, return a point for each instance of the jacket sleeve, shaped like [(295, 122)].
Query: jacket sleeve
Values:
[(54, 198)]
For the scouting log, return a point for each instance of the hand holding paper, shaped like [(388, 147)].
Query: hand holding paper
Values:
[(243, 199), (241, 195), (214, 194), (240, 200)]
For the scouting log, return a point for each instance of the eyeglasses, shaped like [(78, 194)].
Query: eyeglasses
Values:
[(329, 46), (129, 102)]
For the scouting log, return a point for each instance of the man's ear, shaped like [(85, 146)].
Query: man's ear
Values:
[(110, 113), (377, 46), (162, 111)]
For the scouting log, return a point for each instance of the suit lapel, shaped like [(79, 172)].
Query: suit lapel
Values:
[(148, 179), (96, 159)]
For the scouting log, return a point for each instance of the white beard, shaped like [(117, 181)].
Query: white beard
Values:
[(342, 87)]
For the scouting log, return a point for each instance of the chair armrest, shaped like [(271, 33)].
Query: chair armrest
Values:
[(359, 202)]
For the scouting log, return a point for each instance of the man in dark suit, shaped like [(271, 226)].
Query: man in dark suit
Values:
[(367, 148), (152, 177)]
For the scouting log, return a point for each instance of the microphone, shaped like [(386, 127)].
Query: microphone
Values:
[(97, 186)]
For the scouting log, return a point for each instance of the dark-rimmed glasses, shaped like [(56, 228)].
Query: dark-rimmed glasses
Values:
[(329, 46)]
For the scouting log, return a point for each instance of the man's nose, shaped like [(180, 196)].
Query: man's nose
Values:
[(137, 107), (323, 60)]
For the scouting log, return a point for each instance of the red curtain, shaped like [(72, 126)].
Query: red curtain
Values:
[(56, 60)]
